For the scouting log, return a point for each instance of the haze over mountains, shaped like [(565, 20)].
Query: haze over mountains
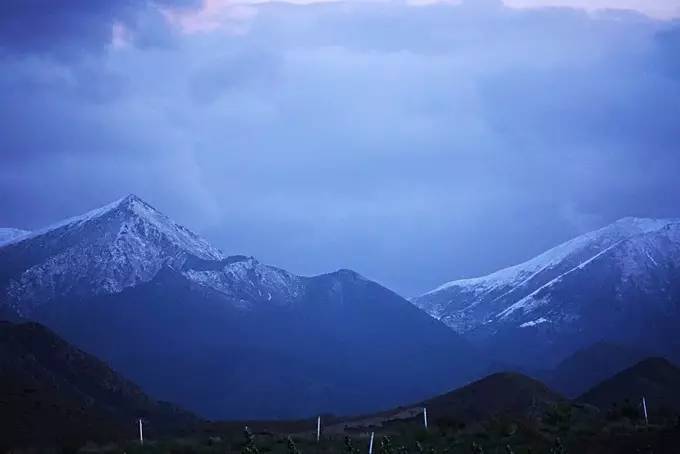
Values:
[(226, 336), (619, 284)]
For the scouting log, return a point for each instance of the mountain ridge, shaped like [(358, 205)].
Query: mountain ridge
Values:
[(569, 289)]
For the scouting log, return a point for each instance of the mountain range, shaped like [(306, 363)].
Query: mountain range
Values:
[(230, 337), (225, 336), (619, 284)]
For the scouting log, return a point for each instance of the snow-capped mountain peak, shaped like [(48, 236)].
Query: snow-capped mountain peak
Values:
[(177, 234), (134, 216), (105, 250), (596, 276), (598, 240)]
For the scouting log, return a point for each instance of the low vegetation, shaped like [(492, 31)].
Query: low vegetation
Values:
[(563, 428)]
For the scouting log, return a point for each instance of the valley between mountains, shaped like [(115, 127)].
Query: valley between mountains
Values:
[(55, 398)]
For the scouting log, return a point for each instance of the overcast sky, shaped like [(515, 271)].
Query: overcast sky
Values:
[(414, 141)]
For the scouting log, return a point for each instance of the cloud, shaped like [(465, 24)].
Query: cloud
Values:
[(414, 144), (212, 15), (71, 28)]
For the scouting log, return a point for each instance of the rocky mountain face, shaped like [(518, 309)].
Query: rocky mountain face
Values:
[(53, 394), (225, 336), (619, 284)]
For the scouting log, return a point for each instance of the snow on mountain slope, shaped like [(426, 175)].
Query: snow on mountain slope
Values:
[(568, 251), (465, 304), (103, 251), (124, 244), (136, 218), (8, 234), (247, 282), (597, 278)]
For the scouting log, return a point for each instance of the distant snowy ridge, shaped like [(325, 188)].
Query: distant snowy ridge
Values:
[(617, 284), (469, 303), (621, 229)]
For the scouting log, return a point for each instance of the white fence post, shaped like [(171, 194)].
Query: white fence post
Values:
[(370, 445), (141, 432), (425, 417), (318, 428), (644, 409)]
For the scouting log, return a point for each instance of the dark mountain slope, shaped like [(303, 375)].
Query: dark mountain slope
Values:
[(504, 393), (52, 393), (347, 346), (500, 395), (656, 379), (591, 365)]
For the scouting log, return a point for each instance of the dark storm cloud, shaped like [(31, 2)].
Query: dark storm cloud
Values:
[(69, 27), (414, 144)]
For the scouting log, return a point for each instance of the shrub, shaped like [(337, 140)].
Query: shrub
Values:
[(249, 446), (292, 449)]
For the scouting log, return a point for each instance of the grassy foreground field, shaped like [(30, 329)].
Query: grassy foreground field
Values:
[(563, 428), (504, 412)]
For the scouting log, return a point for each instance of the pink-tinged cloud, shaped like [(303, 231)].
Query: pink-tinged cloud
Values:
[(120, 36), (233, 16), (213, 15)]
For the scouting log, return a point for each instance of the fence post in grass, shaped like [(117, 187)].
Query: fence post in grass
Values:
[(644, 409), (141, 432), (318, 428), (425, 417), (370, 444)]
